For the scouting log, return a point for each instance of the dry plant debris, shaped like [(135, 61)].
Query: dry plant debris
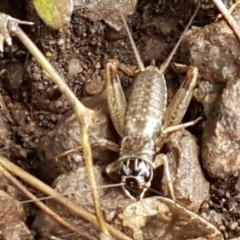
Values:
[(163, 218)]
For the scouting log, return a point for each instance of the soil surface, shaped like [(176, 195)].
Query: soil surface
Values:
[(38, 127)]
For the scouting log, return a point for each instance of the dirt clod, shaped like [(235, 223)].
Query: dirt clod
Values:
[(214, 50), (190, 185), (12, 217), (109, 11), (221, 135), (66, 137)]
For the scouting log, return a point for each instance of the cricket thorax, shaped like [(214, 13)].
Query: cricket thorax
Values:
[(139, 146)]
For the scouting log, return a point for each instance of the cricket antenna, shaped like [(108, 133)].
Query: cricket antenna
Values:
[(75, 192), (165, 65), (136, 53)]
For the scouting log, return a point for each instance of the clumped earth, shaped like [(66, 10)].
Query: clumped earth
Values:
[(38, 128)]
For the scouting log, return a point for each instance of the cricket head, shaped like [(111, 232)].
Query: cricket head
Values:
[(135, 175)]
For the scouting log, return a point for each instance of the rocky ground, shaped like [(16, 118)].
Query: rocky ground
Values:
[(38, 126)]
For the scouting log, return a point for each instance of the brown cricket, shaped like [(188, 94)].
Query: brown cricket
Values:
[(145, 120)]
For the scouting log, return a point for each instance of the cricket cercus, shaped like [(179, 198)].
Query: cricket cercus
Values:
[(144, 122)]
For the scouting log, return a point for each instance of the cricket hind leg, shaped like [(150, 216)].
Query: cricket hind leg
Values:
[(179, 104), (173, 117), (178, 107), (116, 99), (117, 103)]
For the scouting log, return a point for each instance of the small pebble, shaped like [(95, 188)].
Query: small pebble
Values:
[(233, 225)]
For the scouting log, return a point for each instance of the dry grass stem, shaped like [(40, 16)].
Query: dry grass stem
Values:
[(83, 114), (228, 17)]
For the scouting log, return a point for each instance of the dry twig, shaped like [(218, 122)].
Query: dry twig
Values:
[(228, 17), (84, 115)]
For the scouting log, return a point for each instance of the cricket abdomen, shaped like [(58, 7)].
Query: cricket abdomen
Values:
[(145, 112), (147, 104)]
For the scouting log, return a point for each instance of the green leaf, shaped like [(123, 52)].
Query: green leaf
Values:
[(55, 13)]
